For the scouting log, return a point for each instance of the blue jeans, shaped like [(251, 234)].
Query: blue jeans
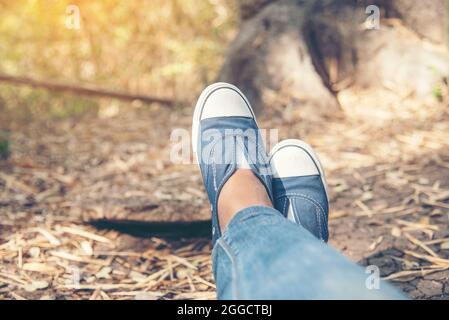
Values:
[(262, 255)]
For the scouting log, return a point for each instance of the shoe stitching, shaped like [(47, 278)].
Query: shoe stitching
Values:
[(305, 196), (250, 139), (214, 169), (253, 167), (285, 205), (226, 135), (295, 210), (317, 215), (317, 206)]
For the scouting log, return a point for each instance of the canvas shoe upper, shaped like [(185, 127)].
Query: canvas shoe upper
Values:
[(299, 186), (225, 137)]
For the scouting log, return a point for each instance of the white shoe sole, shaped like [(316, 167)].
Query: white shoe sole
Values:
[(308, 149), (199, 108)]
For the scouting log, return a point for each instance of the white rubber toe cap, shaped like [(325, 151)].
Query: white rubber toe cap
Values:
[(225, 102), (219, 100), (294, 158)]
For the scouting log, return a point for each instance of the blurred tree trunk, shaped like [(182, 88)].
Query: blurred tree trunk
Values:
[(425, 17), (306, 51)]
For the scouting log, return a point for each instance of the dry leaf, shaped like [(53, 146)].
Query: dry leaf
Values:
[(36, 285), (34, 252), (104, 273), (424, 221), (39, 267), (444, 246), (137, 276), (396, 232), (376, 243), (87, 248)]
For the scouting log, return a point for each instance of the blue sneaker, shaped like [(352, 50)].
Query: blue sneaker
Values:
[(225, 137), (299, 186)]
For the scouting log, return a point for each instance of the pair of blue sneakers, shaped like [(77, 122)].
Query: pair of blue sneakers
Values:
[(226, 137)]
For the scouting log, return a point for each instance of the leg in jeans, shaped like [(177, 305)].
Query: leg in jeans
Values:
[(262, 255)]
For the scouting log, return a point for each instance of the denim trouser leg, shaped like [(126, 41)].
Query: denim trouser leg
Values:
[(262, 255)]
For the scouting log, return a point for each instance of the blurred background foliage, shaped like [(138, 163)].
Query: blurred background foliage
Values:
[(165, 48)]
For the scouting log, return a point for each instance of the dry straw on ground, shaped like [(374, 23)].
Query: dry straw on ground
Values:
[(388, 172)]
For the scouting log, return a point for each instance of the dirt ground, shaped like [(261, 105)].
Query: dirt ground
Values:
[(387, 168)]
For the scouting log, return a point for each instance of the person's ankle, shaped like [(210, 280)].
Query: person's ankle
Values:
[(241, 191)]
